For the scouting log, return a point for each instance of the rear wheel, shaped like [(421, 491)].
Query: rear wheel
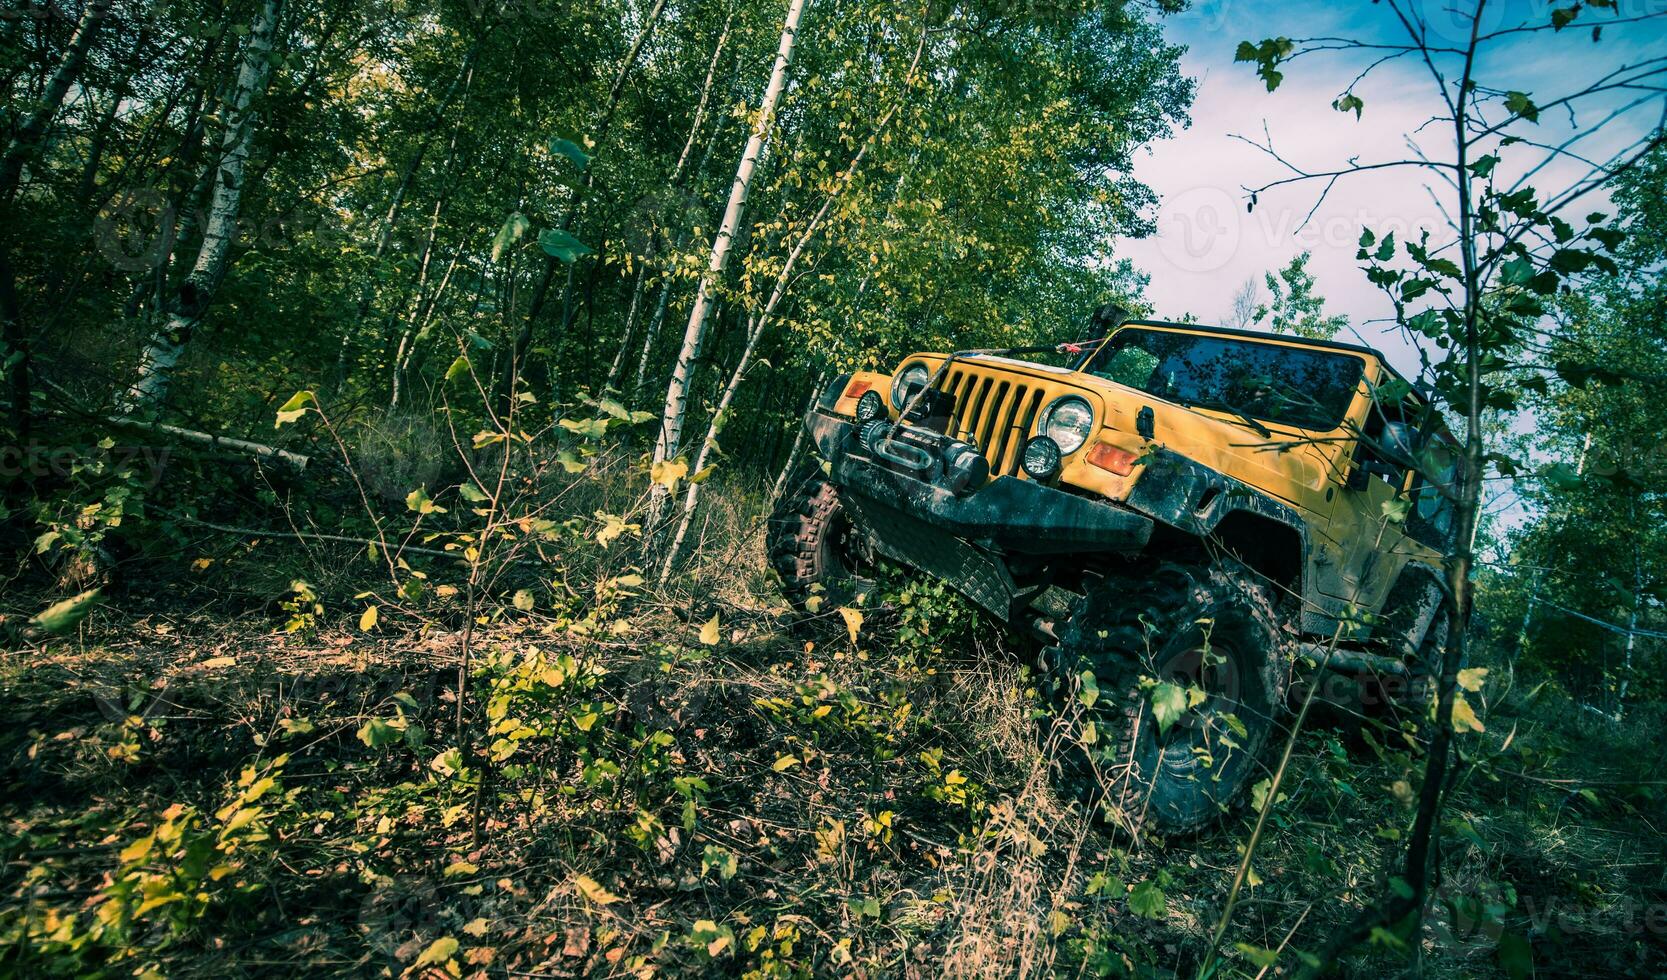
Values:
[(1169, 687), (813, 546)]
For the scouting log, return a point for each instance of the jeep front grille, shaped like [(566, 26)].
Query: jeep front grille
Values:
[(993, 413)]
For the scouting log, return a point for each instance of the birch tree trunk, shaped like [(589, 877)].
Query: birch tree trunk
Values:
[(33, 128), (677, 391), (191, 300), (777, 292)]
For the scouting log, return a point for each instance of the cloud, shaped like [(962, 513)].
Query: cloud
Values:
[(1208, 243)]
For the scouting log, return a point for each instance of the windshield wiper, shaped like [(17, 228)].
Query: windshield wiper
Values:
[(1243, 416)]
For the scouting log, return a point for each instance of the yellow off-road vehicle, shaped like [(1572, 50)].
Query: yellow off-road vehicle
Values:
[(1179, 511)]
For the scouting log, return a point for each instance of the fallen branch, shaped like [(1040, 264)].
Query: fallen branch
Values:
[(295, 461)]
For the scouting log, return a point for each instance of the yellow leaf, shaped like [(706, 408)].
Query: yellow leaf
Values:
[(1464, 716), (215, 663), (1471, 678), (785, 762), (438, 952), (457, 868), (853, 621), (201, 563), (367, 621), (477, 928), (594, 892), (709, 632), (668, 471)]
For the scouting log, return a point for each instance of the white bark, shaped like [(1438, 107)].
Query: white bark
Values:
[(34, 125), (755, 328), (295, 461), (168, 344), (677, 391)]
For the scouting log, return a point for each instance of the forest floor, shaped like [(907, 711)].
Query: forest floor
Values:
[(707, 788)]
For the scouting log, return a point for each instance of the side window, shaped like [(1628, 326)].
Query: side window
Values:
[(1130, 366)]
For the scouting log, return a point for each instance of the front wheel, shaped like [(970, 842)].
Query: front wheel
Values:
[(1168, 689), (813, 546)]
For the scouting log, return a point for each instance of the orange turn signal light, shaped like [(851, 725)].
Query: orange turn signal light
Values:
[(857, 389), (1113, 458)]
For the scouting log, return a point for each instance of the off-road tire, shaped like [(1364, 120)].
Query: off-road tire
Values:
[(1170, 624), (808, 541)]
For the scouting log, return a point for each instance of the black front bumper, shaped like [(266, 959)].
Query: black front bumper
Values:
[(967, 538)]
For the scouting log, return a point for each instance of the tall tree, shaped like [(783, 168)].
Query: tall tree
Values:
[(668, 443), (1294, 306), (193, 297)]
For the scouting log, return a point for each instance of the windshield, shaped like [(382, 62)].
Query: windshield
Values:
[(1304, 388)]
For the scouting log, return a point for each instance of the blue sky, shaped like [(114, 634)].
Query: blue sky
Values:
[(1207, 246)]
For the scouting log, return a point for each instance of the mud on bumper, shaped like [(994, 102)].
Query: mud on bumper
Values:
[(967, 539)]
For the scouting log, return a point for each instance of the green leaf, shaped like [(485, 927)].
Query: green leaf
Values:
[(61, 617), (472, 493), (1349, 102), (1259, 957), (1464, 716), (570, 150), (558, 244), (1519, 104), (1169, 703), (379, 732), (587, 428), (418, 501), (294, 408), (458, 368), (1483, 165), (1089, 691), (515, 226), (1148, 901)]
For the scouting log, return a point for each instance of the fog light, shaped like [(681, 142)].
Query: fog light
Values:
[(1041, 458), (870, 406)]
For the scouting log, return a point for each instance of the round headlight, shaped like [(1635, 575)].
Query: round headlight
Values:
[(914, 374), (870, 407), (1068, 421), (1041, 458)]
